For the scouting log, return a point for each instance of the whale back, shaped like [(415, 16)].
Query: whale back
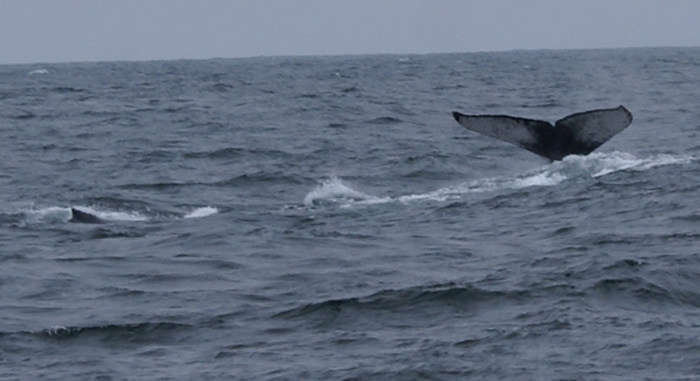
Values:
[(78, 216)]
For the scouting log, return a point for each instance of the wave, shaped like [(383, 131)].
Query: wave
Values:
[(67, 89), (257, 178), (239, 153), (252, 178), (223, 153), (162, 186), (222, 87), (418, 298), (626, 283), (104, 233), (335, 191), (382, 120), (636, 289), (130, 332), (24, 115)]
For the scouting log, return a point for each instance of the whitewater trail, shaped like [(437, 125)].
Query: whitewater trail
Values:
[(58, 214), (334, 190)]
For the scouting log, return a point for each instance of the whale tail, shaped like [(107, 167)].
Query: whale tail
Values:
[(576, 134), (78, 216)]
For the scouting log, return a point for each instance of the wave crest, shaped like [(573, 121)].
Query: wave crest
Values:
[(134, 332)]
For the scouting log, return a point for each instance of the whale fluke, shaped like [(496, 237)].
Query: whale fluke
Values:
[(577, 134), (78, 216)]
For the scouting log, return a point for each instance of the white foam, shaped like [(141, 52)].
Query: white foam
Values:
[(594, 165), (334, 190), (202, 212), (601, 164), (52, 214), (56, 330), (38, 72), (661, 160), (544, 179)]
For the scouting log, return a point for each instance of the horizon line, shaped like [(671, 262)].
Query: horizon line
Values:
[(328, 55)]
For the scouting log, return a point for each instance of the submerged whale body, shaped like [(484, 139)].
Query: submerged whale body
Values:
[(78, 216), (577, 134)]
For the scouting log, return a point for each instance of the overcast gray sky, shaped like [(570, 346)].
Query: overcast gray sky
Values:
[(95, 30)]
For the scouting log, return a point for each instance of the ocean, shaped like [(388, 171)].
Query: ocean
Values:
[(325, 218)]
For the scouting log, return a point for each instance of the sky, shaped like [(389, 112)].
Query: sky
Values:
[(45, 31)]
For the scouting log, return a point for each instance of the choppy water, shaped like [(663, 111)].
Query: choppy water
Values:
[(325, 218)]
